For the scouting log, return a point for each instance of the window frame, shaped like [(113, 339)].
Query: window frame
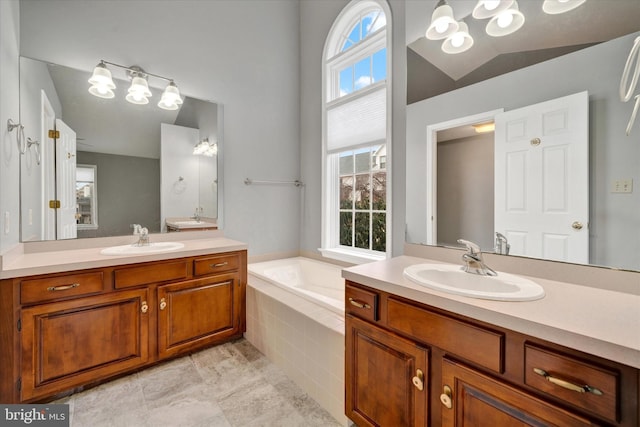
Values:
[(94, 199), (335, 60)]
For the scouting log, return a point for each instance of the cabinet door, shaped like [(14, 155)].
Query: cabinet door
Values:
[(478, 400), (386, 377), (70, 343), (199, 312)]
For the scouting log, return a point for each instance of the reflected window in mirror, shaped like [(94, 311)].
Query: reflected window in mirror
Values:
[(86, 197), (356, 116)]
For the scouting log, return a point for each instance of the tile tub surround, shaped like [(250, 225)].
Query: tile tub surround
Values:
[(225, 386), (303, 339)]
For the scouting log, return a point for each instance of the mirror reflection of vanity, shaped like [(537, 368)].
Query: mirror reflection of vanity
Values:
[(613, 225), (134, 164)]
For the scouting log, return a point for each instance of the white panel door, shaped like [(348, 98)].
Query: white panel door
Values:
[(47, 122), (179, 172), (66, 181), (542, 179)]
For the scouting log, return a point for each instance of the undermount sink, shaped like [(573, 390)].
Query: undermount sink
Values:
[(151, 248), (450, 278)]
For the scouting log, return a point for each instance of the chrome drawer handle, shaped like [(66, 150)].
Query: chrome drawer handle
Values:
[(359, 304), (222, 264), (62, 288), (566, 384)]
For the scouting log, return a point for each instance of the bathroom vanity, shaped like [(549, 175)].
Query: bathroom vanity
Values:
[(419, 357), (94, 317)]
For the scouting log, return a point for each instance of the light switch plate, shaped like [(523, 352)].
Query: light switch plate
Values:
[(622, 186)]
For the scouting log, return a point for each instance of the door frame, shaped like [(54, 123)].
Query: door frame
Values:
[(432, 165)]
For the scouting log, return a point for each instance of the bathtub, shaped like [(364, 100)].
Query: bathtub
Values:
[(315, 281), (295, 317)]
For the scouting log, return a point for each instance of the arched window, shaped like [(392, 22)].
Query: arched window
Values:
[(356, 134)]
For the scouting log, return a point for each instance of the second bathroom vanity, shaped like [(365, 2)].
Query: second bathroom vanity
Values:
[(73, 318), (419, 357)]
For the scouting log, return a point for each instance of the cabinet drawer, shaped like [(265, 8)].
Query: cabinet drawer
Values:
[(146, 274), (361, 303), (216, 264), (70, 285), (478, 345), (574, 381)]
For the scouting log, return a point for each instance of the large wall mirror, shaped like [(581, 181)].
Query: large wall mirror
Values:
[(453, 171), (111, 164)]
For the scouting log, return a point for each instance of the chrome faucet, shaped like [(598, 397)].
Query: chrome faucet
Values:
[(502, 246), (142, 233), (473, 262), (198, 213)]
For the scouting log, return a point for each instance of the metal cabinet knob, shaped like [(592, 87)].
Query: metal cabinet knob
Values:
[(163, 304), (445, 397), (144, 307), (535, 141), (418, 380), (577, 225)]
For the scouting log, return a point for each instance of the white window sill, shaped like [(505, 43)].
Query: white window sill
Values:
[(351, 256)]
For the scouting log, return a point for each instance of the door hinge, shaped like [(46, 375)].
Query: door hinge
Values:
[(54, 204), (19, 325), (55, 134), (19, 384)]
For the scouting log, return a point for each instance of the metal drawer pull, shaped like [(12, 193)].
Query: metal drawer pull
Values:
[(163, 303), (222, 264), (63, 288), (144, 307), (358, 303), (566, 384)]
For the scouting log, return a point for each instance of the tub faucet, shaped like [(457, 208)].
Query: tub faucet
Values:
[(473, 262)]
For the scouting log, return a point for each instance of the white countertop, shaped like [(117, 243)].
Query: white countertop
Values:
[(44, 262), (601, 322)]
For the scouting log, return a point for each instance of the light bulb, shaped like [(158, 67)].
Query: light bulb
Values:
[(441, 26), (491, 4), (504, 20), (457, 40)]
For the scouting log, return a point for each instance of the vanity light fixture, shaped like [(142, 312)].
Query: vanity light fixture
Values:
[(555, 7), (205, 148), (459, 41), (506, 22), (170, 99), (489, 8), (442, 22), (138, 93), (485, 127), (101, 82)]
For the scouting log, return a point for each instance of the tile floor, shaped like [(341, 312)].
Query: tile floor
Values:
[(232, 384)]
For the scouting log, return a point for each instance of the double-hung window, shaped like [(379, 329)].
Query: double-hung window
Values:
[(356, 132)]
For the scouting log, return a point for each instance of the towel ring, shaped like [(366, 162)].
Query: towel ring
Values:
[(22, 145)]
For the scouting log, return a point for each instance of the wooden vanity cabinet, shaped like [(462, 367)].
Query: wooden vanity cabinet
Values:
[(195, 313), (386, 377), (69, 343), (473, 373), (65, 331)]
